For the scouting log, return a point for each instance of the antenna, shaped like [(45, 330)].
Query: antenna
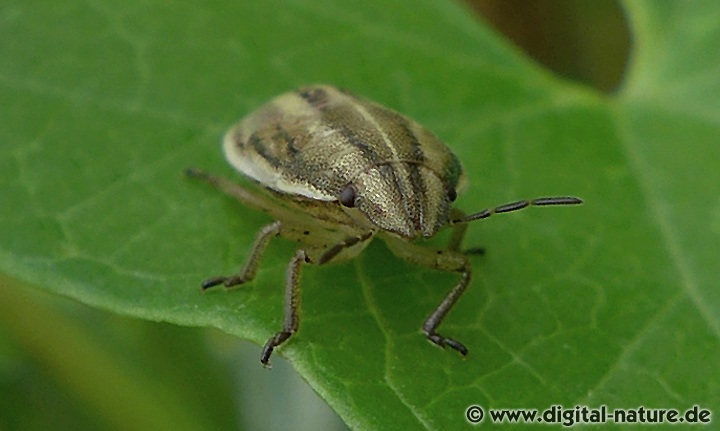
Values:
[(539, 202)]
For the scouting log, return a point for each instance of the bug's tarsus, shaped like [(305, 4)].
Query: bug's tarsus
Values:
[(227, 282), (276, 340), (291, 322), (217, 281), (447, 342), (514, 206), (437, 316)]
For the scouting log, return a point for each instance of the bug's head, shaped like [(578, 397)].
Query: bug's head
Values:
[(407, 199)]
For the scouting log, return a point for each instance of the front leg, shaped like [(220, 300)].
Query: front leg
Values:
[(458, 230), (437, 316), (458, 234), (446, 260), (291, 321)]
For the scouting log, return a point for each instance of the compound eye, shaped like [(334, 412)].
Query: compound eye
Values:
[(347, 196), (452, 195)]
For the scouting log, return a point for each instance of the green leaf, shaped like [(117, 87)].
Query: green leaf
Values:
[(613, 303)]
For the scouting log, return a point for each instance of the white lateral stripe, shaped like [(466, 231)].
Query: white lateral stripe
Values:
[(260, 170)]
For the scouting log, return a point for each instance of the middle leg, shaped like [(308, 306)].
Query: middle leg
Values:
[(291, 321)]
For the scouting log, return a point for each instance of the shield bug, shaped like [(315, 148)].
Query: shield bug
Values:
[(335, 170)]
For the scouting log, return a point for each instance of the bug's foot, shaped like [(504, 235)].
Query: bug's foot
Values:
[(225, 281), (271, 344), (447, 342)]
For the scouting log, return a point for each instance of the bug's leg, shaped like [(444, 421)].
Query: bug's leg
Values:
[(458, 230), (252, 262), (435, 319), (446, 260), (458, 234), (337, 248), (228, 187), (291, 322)]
